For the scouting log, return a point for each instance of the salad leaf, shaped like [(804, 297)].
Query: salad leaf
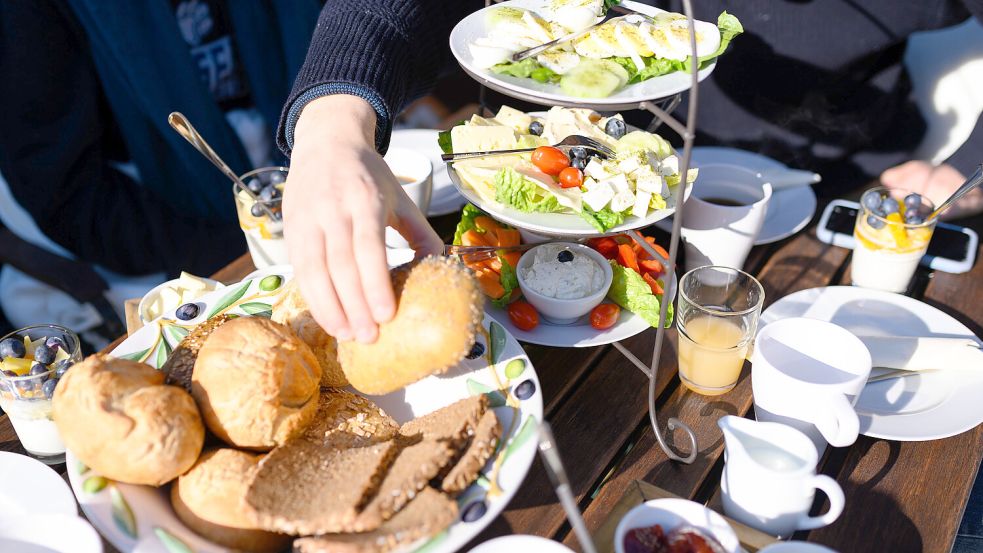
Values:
[(604, 219), (444, 139), (509, 282), (515, 190), (631, 292), (609, 3), (528, 68), (657, 202), (468, 215)]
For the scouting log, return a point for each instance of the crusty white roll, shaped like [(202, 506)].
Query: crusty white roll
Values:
[(119, 418), (438, 313), (209, 499), (292, 310), (256, 383)]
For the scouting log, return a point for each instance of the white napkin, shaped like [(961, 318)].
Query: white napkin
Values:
[(921, 354)]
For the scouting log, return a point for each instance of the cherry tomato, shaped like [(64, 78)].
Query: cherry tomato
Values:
[(523, 315), (550, 160), (606, 246), (604, 316), (571, 177)]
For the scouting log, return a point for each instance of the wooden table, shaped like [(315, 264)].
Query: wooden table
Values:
[(900, 496)]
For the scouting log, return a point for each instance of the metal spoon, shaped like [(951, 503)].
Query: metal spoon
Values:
[(971, 183), (184, 127)]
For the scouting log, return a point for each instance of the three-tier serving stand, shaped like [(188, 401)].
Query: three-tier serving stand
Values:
[(661, 109)]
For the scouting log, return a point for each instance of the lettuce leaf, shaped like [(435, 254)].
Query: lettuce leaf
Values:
[(444, 139), (609, 3), (509, 282), (604, 219), (528, 68), (515, 190), (631, 292), (468, 215)]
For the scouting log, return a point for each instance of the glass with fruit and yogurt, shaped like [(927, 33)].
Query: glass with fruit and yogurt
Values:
[(33, 361), (264, 235), (892, 234)]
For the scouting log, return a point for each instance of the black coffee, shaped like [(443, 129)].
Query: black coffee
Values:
[(723, 201)]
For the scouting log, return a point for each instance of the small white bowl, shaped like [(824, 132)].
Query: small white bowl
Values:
[(519, 543), (155, 291), (564, 311), (673, 513), (796, 547)]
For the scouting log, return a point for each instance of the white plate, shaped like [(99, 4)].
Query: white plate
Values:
[(518, 543), (579, 334), (445, 198), (789, 211), (916, 408), (48, 534), (137, 518), (472, 27), (30, 487)]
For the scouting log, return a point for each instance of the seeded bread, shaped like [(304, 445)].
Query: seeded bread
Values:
[(426, 515), (181, 362), (454, 423), (291, 309), (345, 419), (464, 472), (208, 499)]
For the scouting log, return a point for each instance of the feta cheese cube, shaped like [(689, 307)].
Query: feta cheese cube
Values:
[(622, 200), (651, 183), (669, 166), (598, 195), (619, 183), (596, 170), (641, 207), (629, 164)]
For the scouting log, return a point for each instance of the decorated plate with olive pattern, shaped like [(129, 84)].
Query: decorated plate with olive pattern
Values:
[(140, 518)]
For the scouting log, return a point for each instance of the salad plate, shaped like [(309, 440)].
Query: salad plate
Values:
[(926, 406), (137, 518), (445, 198), (476, 27)]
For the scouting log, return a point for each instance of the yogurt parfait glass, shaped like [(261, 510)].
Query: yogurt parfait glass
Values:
[(264, 235), (892, 234), (30, 373)]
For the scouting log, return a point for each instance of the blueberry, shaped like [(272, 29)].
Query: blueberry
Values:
[(12, 347), (187, 311), (890, 205), (256, 210), (254, 185), (913, 201), (269, 194), (10, 374), (536, 128), (871, 201), (474, 511), (525, 389), (26, 386), (913, 217), (578, 152), (875, 222), (578, 163), (477, 350), (277, 177), (62, 367), (615, 128), (44, 355), (54, 342), (37, 369), (49, 387), (564, 256)]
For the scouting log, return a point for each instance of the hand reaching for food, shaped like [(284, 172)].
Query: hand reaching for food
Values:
[(935, 183), (342, 195)]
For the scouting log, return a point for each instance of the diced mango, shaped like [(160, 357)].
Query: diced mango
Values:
[(17, 365)]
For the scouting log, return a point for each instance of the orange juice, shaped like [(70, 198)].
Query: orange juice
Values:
[(711, 354)]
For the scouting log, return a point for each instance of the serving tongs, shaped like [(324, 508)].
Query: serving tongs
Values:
[(568, 143), (616, 10)]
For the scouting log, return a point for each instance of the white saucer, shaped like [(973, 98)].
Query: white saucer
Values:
[(519, 542), (789, 211), (445, 198), (30, 487), (52, 533), (916, 408)]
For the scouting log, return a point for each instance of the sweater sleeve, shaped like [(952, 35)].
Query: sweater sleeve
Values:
[(388, 52), (54, 155)]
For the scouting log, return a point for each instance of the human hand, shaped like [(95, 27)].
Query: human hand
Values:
[(340, 198), (935, 183)]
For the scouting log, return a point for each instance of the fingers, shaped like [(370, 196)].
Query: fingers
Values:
[(306, 249), (411, 223), (346, 278), (373, 269)]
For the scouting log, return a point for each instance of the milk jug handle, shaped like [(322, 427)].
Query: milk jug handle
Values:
[(837, 420), (836, 502)]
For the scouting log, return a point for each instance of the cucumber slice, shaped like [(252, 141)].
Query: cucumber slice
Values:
[(591, 79), (617, 69)]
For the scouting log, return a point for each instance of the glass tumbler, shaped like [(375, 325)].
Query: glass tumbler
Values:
[(264, 235)]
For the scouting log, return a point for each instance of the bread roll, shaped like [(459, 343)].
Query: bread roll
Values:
[(256, 383), (118, 417), (209, 499), (438, 312), (291, 309)]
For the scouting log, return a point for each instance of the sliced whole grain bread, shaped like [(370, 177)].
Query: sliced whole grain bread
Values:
[(181, 362), (304, 487), (426, 515), (345, 419), (464, 472), (454, 423)]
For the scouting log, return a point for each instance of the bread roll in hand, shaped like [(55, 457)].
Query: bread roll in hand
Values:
[(119, 418)]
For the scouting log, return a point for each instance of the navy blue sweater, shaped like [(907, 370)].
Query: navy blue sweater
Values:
[(817, 84)]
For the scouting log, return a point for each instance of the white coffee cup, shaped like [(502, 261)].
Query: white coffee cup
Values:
[(414, 172), (808, 374), (716, 234)]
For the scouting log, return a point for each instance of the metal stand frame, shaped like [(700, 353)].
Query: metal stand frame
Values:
[(661, 110)]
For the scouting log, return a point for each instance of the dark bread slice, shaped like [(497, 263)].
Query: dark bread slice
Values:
[(464, 472), (181, 362), (412, 470), (304, 488), (428, 513), (454, 423), (345, 419)]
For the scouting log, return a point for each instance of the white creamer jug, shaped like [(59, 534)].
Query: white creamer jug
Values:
[(770, 479)]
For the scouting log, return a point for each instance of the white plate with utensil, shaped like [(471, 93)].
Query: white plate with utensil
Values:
[(924, 406), (789, 210), (444, 199)]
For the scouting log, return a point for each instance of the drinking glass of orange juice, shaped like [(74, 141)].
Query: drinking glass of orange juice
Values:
[(717, 319)]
